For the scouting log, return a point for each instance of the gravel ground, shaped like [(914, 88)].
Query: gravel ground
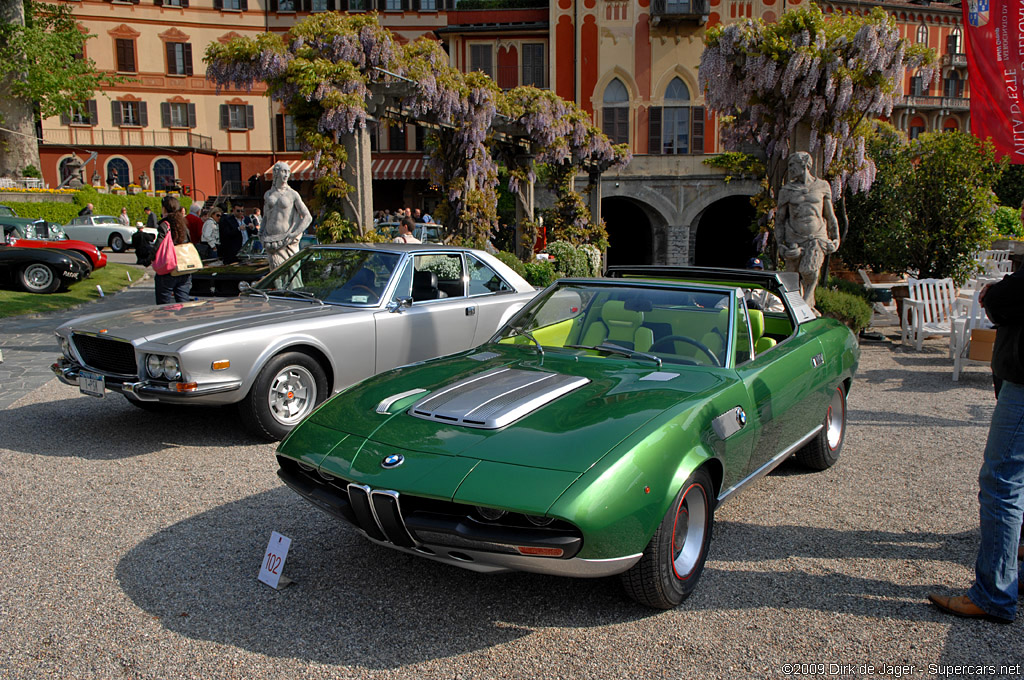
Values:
[(131, 544)]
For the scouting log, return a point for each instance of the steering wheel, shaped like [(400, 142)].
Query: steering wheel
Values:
[(376, 297), (682, 338)]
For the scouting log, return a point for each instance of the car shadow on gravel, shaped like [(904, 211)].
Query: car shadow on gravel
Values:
[(112, 429), (353, 603)]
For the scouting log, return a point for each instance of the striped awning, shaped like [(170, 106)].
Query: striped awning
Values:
[(399, 168), (301, 169)]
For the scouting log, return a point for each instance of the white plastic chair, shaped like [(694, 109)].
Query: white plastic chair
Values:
[(929, 310), (971, 315)]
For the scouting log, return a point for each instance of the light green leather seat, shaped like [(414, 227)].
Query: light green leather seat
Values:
[(761, 343), (620, 326)]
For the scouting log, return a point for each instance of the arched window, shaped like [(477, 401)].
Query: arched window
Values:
[(922, 35), (953, 41), (916, 127), (118, 168), (676, 128), (952, 86), (163, 174), (64, 169), (615, 114)]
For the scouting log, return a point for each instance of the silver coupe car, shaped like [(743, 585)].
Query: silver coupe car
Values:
[(326, 318)]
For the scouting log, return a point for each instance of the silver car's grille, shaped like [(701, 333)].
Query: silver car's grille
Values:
[(496, 398), (106, 354)]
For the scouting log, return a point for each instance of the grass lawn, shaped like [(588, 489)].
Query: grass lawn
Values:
[(111, 278)]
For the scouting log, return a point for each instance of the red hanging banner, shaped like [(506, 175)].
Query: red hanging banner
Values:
[(995, 68)]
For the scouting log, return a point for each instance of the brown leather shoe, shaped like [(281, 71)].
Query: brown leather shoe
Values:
[(962, 606)]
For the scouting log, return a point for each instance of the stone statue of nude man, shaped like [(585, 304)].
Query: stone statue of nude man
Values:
[(285, 217), (806, 228)]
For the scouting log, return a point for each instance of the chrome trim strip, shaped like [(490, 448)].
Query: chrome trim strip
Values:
[(769, 466), (388, 402), (489, 563)]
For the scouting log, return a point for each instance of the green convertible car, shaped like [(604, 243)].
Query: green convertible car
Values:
[(594, 434)]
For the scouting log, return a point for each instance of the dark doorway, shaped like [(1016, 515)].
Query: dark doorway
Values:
[(724, 238), (629, 232)]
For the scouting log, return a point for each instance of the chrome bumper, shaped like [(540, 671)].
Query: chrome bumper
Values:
[(141, 390)]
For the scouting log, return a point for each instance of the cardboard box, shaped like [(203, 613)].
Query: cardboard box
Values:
[(982, 341)]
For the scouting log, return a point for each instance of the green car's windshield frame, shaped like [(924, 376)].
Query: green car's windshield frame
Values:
[(678, 323)]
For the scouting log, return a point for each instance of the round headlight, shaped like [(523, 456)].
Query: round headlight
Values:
[(538, 521), (171, 371), (65, 347), (490, 514), (154, 365)]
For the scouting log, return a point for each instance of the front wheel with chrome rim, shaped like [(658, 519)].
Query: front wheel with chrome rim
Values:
[(822, 452), (287, 390), (674, 558)]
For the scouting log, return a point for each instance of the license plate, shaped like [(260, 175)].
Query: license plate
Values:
[(92, 384)]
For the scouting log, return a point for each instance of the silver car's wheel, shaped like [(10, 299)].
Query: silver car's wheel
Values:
[(674, 558), (822, 452), (117, 243), (287, 390), (39, 278)]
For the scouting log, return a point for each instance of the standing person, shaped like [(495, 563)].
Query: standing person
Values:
[(123, 217), (87, 210), (211, 233), (143, 245), (150, 217), (405, 228), (230, 238), (1001, 480), (253, 223), (173, 226), (195, 223), (287, 218)]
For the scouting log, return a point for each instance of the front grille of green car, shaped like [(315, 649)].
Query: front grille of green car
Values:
[(410, 521)]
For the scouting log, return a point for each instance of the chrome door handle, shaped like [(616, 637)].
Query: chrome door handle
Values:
[(471, 311)]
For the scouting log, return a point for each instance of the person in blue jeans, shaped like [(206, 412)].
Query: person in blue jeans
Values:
[(996, 572), (173, 225)]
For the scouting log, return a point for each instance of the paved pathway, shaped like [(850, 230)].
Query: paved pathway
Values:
[(29, 346)]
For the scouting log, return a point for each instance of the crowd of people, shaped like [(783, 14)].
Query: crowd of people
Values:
[(415, 214)]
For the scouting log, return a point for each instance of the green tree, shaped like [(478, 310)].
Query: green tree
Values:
[(930, 208), (42, 73)]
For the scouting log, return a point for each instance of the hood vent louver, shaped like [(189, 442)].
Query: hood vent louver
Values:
[(494, 399)]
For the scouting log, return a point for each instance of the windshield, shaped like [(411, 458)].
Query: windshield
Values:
[(103, 219), (676, 325), (342, 276)]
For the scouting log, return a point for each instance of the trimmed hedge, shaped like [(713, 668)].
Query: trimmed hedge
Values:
[(103, 204), (539, 273), (513, 262), (852, 310)]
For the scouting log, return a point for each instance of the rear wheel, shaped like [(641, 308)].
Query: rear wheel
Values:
[(674, 559), (117, 243), (38, 278), (287, 390), (822, 452)]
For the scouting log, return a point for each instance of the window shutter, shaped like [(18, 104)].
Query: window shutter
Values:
[(94, 118), (279, 125), (697, 134), (250, 119), (165, 114), (143, 115), (169, 52), (243, 5), (158, 3), (218, 4), (330, 5), (654, 130), (225, 117), (273, 5), (191, 115), (115, 113), (184, 4), (188, 58), (65, 119), (305, 6)]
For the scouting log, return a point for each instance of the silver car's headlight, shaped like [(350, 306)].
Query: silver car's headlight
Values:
[(154, 365), (65, 347), (171, 370)]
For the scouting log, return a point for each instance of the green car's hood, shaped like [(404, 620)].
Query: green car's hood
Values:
[(569, 433)]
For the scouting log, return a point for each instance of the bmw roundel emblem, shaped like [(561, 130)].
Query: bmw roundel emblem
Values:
[(741, 417), (392, 461)]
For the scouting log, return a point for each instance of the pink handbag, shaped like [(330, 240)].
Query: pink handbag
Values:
[(166, 260)]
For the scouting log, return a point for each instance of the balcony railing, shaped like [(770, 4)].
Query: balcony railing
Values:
[(679, 10), (955, 60), (931, 102), (89, 136)]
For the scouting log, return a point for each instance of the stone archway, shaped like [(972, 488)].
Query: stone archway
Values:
[(630, 232), (723, 236)]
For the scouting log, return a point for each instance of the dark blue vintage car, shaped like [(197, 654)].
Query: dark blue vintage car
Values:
[(39, 270)]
